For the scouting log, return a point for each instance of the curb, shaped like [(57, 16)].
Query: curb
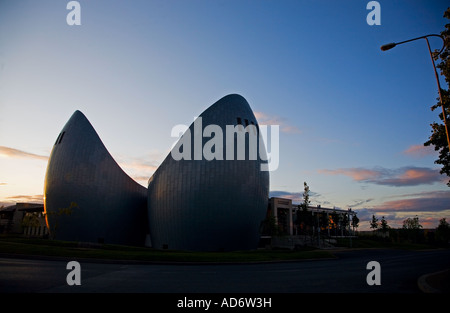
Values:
[(426, 287)]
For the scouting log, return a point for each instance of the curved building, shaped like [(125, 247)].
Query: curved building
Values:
[(87, 196), (210, 193)]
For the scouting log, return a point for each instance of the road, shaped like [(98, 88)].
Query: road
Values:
[(347, 273)]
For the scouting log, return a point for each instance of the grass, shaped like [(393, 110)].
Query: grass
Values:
[(44, 247), (370, 242), (17, 245)]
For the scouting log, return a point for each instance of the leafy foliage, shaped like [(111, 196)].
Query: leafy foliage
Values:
[(438, 137), (374, 223)]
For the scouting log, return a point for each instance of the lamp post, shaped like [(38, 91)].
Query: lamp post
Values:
[(393, 44)]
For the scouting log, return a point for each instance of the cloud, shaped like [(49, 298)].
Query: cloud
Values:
[(404, 176), (436, 201), (139, 165), (143, 180), (24, 198), (296, 197), (12, 200), (411, 177), (419, 151), (358, 174), (360, 202), (430, 207), (15, 153), (141, 168), (264, 119)]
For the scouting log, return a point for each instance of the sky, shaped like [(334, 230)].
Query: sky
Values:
[(352, 119)]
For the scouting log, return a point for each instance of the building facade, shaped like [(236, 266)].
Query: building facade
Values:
[(25, 219), (212, 201), (87, 196), (291, 220), (211, 204)]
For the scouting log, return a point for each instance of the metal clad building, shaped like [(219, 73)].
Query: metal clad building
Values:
[(214, 198), (210, 204), (87, 196)]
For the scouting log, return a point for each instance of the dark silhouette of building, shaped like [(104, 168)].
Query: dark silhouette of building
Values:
[(200, 204), (87, 196), (213, 198)]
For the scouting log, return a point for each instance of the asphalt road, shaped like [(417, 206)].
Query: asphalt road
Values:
[(399, 272)]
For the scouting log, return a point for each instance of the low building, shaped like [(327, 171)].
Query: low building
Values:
[(24, 218), (291, 220)]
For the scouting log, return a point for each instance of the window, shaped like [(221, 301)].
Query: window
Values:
[(57, 139), (62, 135), (239, 121)]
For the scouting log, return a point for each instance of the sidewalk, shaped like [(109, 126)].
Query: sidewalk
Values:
[(438, 282)]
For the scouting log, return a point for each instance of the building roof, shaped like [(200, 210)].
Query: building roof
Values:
[(21, 206), (318, 208)]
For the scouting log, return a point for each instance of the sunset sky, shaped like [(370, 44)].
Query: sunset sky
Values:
[(353, 119)]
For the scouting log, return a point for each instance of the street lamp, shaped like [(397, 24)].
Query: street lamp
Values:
[(393, 44)]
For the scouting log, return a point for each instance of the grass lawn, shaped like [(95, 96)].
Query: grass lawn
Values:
[(44, 247), (17, 245), (370, 242)]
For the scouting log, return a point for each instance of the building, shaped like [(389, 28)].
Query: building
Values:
[(215, 204), (87, 196), (209, 194), (23, 218), (292, 221), (205, 202)]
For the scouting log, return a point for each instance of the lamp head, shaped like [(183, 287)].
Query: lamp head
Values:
[(388, 46)]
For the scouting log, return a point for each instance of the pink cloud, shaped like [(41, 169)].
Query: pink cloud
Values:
[(412, 177), (430, 207), (358, 174), (419, 151), (433, 202), (25, 198), (15, 153), (264, 119), (405, 176)]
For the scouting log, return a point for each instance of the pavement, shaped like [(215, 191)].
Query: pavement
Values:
[(438, 282), (432, 282)]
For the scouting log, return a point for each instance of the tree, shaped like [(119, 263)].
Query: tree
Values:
[(443, 231), (335, 218), (412, 223), (306, 201), (411, 229), (438, 137), (345, 222), (355, 222), (304, 218), (269, 226), (374, 223), (56, 215), (324, 221), (383, 224)]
